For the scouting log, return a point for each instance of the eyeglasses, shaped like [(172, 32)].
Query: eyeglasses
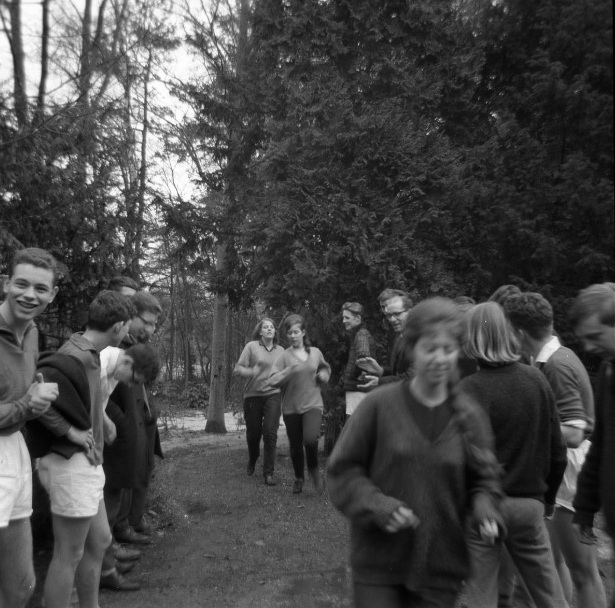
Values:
[(394, 315)]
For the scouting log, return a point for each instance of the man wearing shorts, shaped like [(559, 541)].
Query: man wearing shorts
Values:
[(75, 484), (29, 288)]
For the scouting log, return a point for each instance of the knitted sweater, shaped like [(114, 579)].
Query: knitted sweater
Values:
[(300, 388), (361, 345), (596, 483), (71, 408), (382, 461), (17, 369), (255, 353), (528, 439)]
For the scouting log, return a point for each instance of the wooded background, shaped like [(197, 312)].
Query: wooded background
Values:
[(333, 147)]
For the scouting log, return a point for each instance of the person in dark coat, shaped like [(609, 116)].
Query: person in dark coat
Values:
[(129, 460)]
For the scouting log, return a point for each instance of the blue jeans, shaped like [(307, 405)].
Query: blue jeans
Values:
[(528, 544), (262, 416)]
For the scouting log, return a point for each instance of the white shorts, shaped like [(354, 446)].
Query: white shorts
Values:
[(568, 487), (15, 479), (75, 486), (353, 398)]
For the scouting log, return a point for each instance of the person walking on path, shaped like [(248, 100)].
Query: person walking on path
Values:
[(29, 288), (261, 401), (361, 345), (299, 371), (530, 448), (412, 463), (593, 317), (577, 564)]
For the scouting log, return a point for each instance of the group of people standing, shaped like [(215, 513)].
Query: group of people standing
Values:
[(472, 475), (90, 425), (461, 472)]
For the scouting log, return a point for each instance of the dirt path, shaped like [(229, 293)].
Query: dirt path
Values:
[(236, 542)]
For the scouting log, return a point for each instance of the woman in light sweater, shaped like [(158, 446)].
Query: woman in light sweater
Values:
[(412, 463), (299, 372), (261, 402)]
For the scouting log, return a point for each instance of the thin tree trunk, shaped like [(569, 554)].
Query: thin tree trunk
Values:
[(217, 397), (19, 70)]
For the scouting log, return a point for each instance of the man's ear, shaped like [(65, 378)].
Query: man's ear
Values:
[(4, 280), (54, 293), (117, 327)]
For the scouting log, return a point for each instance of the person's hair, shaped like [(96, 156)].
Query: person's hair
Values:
[(256, 334), (503, 292), (464, 303), (145, 361), (108, 308), (429, 315), (119, 281), (35, 257), (532, 313), (144, 301), (490, 336), (387, 294), (596, 299), (295, 319), (353, 307), (405, 299)]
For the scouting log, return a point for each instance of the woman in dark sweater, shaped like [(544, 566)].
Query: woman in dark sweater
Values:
[(531, 451), (412, 462)]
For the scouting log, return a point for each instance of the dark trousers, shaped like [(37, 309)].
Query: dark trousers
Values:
[(397, 596), (303, 431), (113, 503), (262, 416), (132, 509)]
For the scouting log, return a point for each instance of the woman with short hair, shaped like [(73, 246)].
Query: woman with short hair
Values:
[(261, 401), (412, 463), (529, 445)]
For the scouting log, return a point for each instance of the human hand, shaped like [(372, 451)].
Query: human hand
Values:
[(322, 376), (585, 534), (83, 438), (370, 382), (401, 519), (109, 430), (42, 394), (549, 511), (369, 364), (488, 531)]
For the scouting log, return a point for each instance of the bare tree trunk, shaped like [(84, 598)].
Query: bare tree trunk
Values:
[(217, 397), (42, 85), (19, 70)]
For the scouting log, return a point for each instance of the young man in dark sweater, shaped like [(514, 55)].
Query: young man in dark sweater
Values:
[(593, 318), (532, 317)]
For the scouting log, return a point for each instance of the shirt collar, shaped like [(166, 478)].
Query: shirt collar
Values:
[(7, 329), (273, 345), (548, 349)]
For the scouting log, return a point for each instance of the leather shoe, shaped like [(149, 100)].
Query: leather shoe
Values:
[(130, 536), (298, 486), (270, 480), (250, 468), (116, 582), (124, 567), (126, 554), (144, 529)]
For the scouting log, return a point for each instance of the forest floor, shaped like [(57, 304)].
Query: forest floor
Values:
[(226, 540)]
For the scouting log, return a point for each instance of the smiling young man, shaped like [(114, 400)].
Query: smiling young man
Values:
[(29, 289), (593, 318), (361, 345)]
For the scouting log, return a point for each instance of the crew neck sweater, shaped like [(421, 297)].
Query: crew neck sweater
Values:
[(256, 353), (384, 460), (526, 427)]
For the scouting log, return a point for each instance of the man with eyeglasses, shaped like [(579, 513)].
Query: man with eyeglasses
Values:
[(129, 460), (395, 311)]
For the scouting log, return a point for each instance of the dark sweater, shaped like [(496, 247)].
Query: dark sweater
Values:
[(361, 345), (525, 423), (596, 483), (72, 407), (382, 461)]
